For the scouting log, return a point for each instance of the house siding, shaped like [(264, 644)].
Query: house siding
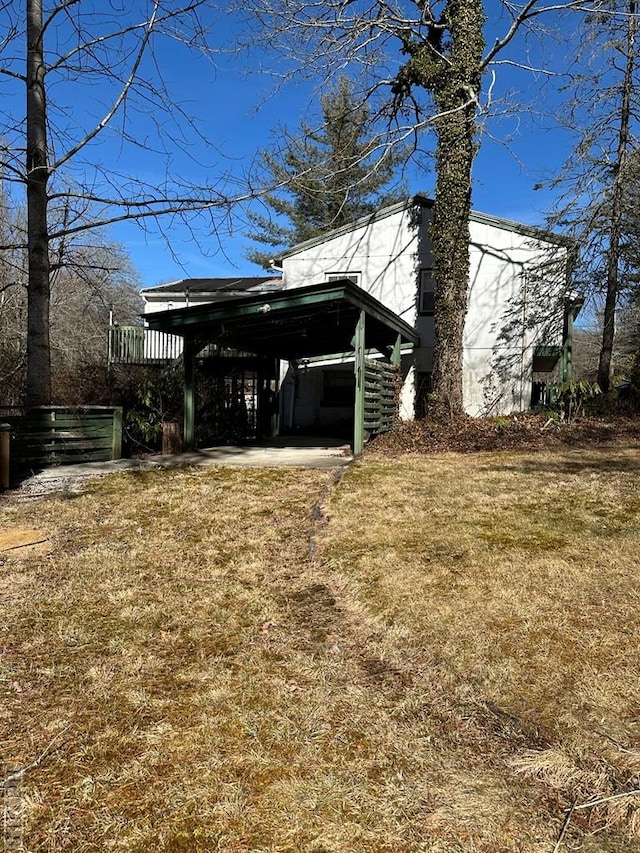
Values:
[(510, 308)]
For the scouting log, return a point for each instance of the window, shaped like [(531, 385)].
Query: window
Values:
[(340, 276), (338, 387), (427, 296)]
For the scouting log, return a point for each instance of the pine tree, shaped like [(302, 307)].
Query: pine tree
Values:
[(325, 178)]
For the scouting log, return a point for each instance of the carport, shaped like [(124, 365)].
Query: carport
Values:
[(325, 319)]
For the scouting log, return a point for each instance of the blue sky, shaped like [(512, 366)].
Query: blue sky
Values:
[(506, 170), (238, 110)]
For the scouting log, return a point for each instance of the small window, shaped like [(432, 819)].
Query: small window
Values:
[(340, 276), (427, 298), (338, 387)]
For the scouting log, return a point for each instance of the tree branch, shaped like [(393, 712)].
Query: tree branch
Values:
[(61, 7), (119, 100), (13, 74), (528, 11)]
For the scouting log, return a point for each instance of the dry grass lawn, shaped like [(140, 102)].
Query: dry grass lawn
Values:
[(446, 660)]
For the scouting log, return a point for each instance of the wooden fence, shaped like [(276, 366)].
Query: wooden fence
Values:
[(381, 393), (54, 435)]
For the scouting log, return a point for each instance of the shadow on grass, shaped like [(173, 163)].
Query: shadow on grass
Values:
[(605, 461)]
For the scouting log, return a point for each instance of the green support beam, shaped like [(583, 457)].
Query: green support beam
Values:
[(358, 366), (189, 357)]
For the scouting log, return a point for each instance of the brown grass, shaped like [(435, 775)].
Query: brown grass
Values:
[(449, 668)]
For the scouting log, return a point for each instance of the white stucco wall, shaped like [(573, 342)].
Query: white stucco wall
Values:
[(165, 302), (508, 309), (384, 253)]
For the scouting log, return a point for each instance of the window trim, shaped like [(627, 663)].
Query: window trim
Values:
[(351, 275), (426, 278)]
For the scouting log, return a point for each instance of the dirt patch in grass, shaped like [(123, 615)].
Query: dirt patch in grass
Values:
[(20, 537), (442, 660)]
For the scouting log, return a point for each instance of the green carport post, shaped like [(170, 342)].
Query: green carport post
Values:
[(189, 358), (358, 366)]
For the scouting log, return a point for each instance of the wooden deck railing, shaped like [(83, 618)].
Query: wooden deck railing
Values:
[(142, 346)]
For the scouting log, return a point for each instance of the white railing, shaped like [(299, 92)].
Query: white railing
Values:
[(139, 345)]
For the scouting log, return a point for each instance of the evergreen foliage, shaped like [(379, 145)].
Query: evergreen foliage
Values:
[(325, 178)]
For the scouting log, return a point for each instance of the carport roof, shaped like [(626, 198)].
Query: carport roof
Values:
[(303, 322)]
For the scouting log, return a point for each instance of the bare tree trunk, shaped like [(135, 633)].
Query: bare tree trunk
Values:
[(38, 391), (615, 236)]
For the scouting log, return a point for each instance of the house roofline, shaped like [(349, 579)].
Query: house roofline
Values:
[(181, 286), (422, 200)]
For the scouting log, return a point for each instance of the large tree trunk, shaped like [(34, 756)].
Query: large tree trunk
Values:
[(454, 82), (38, 391), (450, 241), (617, 205)]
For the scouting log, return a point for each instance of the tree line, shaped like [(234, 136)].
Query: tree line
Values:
[(92, 283)]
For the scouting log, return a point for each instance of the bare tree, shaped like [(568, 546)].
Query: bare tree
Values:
[(424, 65), (95, 280), (93, 73), (13, 297), (618, 174), (600, 182), (96, 283)]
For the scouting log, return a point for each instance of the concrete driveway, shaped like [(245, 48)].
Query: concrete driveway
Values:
[(287, 451)]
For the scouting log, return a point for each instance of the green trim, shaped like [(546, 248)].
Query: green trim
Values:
[(116, 448), (572, 307), (545, 358), (189, 355), (396, 355), (567, 349), (181, 321), (371, 352), (358, 366)]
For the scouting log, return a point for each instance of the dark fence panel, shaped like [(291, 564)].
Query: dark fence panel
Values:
[(56, 435), (381, 395)]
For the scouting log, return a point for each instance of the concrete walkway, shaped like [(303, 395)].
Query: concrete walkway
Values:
[(290, 452)]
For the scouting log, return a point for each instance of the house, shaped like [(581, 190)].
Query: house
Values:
[(303, 323), (142, 345), (518, 317)]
